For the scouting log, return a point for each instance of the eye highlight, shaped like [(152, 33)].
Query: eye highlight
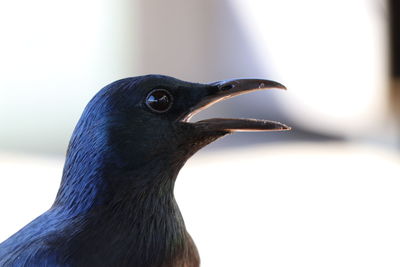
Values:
[(159, 100)]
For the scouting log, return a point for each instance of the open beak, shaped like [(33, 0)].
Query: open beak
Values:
[(221, 90)]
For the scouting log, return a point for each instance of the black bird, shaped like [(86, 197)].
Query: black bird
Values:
[(115, 205)]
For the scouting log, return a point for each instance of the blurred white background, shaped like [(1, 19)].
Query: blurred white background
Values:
[(324, 194)]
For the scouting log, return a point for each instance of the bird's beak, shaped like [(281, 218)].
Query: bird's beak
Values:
[(221, 90)]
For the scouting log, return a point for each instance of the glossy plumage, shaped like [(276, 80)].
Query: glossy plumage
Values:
[(115, 205)]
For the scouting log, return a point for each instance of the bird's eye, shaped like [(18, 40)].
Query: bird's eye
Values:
[(159, 100)]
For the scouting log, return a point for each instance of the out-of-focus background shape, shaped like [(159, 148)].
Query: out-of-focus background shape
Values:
[(323, 194)]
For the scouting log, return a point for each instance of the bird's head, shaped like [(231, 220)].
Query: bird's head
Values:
[(137, 130), (147, 117)]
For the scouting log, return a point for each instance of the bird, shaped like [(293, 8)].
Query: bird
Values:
[(115, 205)]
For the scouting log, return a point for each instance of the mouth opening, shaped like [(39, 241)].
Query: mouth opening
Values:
[(227, 89)]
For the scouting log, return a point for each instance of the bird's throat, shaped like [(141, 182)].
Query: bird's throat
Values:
[(128, 208), (119, 199)]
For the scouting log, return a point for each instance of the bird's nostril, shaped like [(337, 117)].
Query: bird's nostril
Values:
[(227, 87)]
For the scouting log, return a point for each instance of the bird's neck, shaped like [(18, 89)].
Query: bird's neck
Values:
[(123, 195), (132, 208), (92, 180), (104, 158)]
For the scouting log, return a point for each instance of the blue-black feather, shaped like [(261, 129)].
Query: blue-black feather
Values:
[(115, 205)]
